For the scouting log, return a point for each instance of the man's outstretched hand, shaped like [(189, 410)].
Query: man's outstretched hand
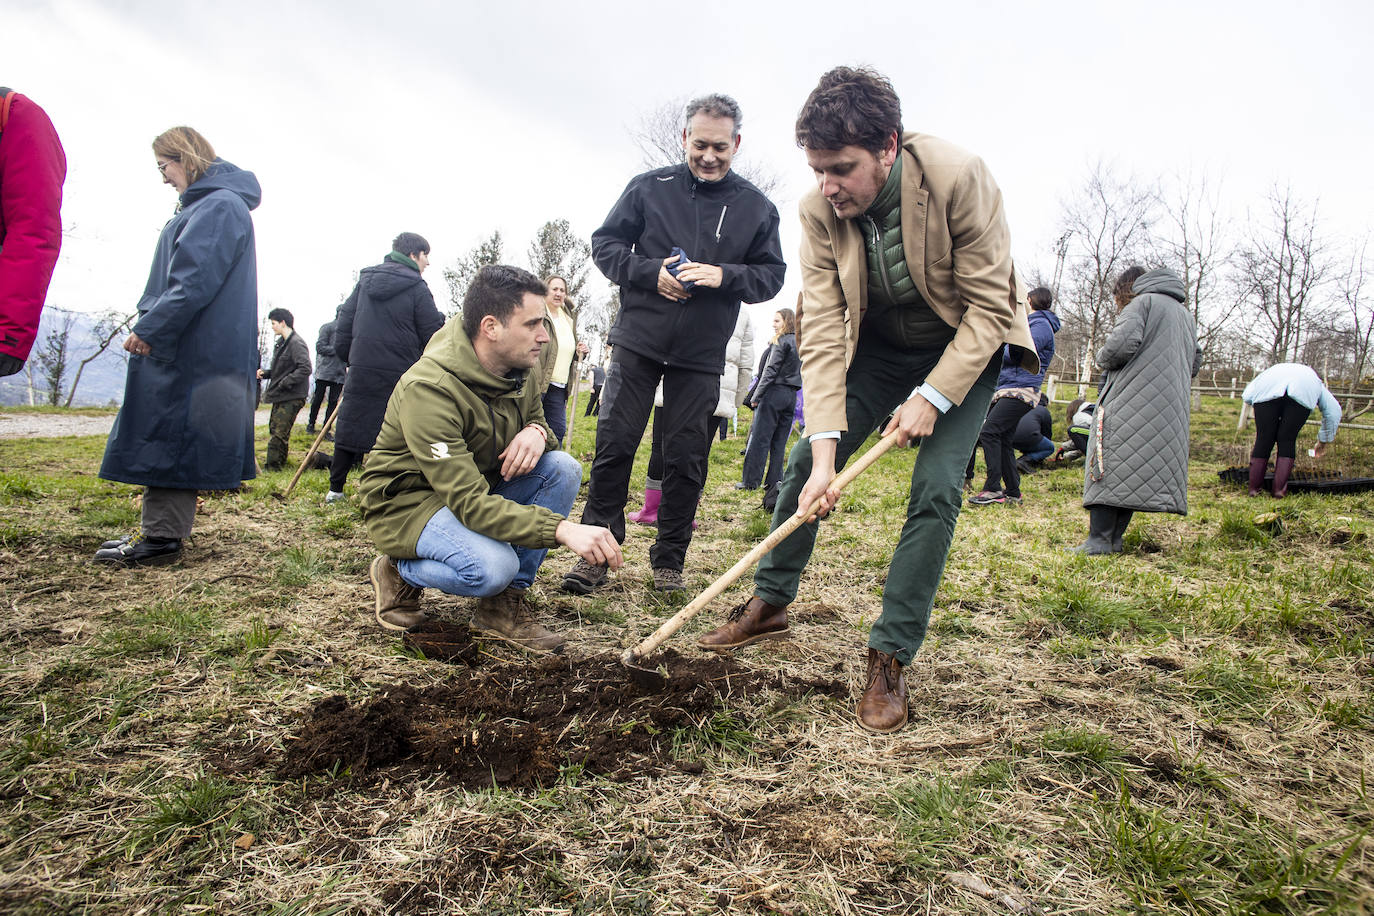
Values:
[(590, 542)]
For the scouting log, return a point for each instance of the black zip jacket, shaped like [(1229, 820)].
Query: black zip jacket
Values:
[(289, 376), (727, 223), (784, 368)]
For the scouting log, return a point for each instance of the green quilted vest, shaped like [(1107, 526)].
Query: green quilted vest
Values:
[(895, 307)]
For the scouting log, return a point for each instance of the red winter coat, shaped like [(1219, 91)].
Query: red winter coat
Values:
[(32, 169)]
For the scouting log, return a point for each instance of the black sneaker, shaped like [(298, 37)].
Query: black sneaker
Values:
[(585, 578), (141, 551)]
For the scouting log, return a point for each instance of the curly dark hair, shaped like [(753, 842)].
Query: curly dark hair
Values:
[(850, 106)]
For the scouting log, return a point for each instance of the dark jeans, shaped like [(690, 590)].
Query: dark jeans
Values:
[(593, 408), (556, 411), (627, 397), (998, 453), (772, 423), (1279, 420), (279, 426), (332, 389), (878, 381)]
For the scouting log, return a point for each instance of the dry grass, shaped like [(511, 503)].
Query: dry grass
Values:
[(1184, 727)]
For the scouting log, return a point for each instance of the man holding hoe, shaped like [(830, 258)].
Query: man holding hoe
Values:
[(907, 284)]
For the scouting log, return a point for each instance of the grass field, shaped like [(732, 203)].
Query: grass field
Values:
[(1185, 727)]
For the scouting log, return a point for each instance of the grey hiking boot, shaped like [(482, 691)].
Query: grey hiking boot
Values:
[(509, 617), (585, 578), (668, 580), (398, 602)]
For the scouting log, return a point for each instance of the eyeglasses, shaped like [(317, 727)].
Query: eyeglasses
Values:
[(162, 166)]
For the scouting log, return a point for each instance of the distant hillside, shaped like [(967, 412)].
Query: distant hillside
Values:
[(102, 382)]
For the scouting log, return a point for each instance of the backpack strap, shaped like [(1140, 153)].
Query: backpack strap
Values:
[(6, 96)]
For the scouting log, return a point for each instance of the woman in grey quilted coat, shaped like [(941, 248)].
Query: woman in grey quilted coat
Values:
[(1137, 459)]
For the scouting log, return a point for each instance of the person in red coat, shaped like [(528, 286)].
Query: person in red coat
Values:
[(32, 169)]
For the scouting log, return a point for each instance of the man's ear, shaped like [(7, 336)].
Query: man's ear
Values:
[(890, 150), (490, 327), (737, 139)]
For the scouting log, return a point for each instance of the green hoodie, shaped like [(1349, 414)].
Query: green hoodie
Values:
[(447, 421)]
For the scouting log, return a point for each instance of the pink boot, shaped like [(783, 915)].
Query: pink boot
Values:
[(649, 514)]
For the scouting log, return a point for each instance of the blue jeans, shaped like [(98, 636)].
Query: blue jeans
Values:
[(1042, 451), (459, 561)]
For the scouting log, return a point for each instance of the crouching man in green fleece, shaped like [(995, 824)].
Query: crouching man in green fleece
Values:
[(464, 490)]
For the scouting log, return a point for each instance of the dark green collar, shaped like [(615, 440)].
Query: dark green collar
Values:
[(403, 259), (890, 197)]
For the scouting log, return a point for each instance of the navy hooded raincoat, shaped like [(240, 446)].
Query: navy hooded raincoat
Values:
[(187, 419)]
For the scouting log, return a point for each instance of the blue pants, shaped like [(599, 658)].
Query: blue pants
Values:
[(458, 561), (556, 411), (1042, 451)]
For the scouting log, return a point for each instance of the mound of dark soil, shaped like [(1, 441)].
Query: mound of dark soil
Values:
[(519, 726)]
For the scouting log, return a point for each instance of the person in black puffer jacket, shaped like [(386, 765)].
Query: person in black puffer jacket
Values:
[(380, 332), (686, 244), (774, 400)]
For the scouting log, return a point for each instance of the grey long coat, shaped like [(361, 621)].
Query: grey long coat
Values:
[(1138, 449)]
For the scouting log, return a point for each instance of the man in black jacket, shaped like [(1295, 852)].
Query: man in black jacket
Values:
[(288, 383), (686, 244), (379, 333)]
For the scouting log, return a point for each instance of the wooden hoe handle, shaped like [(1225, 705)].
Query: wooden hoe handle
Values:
[(778, 535)]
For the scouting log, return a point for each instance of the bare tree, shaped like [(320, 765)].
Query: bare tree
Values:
[(1360, 306), (556, 250), (1193, 239), (1106, 227), (53, 356), (1282, 268), (460, 274), (659, 137), (105, 331)]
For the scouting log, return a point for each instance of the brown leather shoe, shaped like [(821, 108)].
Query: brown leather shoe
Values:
[(398, 602), (509, 617), (752, 621), (882, 708)]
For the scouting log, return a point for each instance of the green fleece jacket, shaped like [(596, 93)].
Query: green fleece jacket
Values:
[(447, 421)]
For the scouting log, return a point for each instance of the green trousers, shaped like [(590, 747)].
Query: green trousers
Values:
[(279, 424), (880, 378)]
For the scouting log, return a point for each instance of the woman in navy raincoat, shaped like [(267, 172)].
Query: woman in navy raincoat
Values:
[(187, 419)]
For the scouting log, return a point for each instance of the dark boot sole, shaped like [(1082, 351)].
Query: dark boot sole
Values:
[(759, 637), (166, 560), (577, 586)]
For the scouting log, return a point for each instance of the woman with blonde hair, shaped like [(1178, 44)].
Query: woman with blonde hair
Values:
[(562, 355), (774, 400), (186, 423)]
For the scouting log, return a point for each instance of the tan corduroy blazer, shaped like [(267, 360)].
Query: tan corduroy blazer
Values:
[(958, 250)]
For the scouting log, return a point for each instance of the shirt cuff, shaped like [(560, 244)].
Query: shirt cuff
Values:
[(938, 400), (829, 434)]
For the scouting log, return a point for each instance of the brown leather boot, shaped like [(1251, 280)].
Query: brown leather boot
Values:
[(752, 621), (882, 708), (509, 617), (398, 602)]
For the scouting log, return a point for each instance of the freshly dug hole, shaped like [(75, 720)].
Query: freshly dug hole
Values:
[(518, 726)]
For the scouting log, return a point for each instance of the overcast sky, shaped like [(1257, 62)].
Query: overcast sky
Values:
[(454, 119)]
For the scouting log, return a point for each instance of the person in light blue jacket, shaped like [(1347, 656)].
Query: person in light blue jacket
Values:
[(1283, 397)]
